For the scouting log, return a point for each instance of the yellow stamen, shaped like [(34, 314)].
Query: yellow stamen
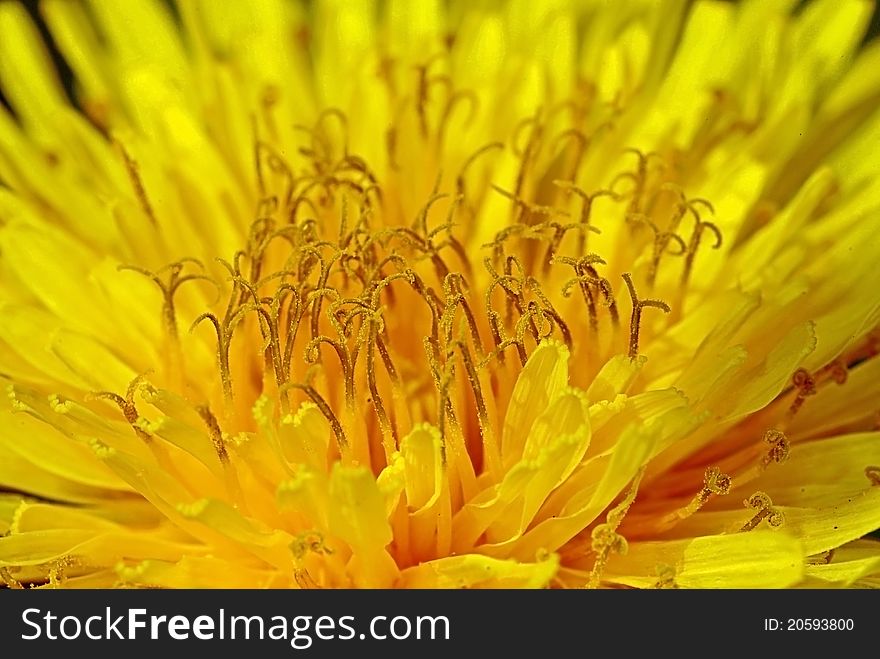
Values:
[(169, 288), (806, 386), (636, 318), (765, 510), (325, 409), (8, 580), (128, 407), (137, 183), (779, 448), (665, 577), (714, 483), (605, 538), (694, 245), (214, 432)]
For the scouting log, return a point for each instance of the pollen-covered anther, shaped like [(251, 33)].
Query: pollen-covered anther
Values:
[(324, 408), (132, 168), (549, 311), (224, 338), (586, 279), (58, 570), (214, 432), (822, 558), (128, 407), (59, 404), (482, 413), (779, 450), (313, 356), (665, 577), (587, 206), (715, 482), (442, 372), (836, 371), (7, 579), (170, 287), (426, 81), (694, 244), (605, 539), (662, 244), (553, 233), (454, 290), (639, 178), (636, 318), (17, 404), (805, 384), (460, 180), (763, 506), (308, 542), (528, 209), (528, 154)]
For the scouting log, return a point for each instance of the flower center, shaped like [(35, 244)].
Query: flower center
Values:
[(382, 320)]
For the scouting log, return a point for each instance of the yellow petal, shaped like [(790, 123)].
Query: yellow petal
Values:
[(344, 41), (556, 444), (821, 529), (567, 414), (41, 517), (38, 547), (541, 379), (615, 377), (838, 518), (43, 447), (760, 559), (835, 465), (763, 383), (21, 475), (829, 31), (26, 72), (844, 573), (201, 572), (77, 40), (839, 406), (600, 479), (392, 482), (427, 493), (854, 564), (414, 26), (270, 545), (305, 437), (143, 35), (53, 266), (423, 466), (357, 515), (475, 571), (306, 492)]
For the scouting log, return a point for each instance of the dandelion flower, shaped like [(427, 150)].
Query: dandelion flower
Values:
[(425, 294)]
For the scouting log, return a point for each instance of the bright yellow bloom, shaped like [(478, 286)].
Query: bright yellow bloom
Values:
[(427, 294)]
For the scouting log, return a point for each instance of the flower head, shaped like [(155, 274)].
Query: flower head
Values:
[(415, 294)]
